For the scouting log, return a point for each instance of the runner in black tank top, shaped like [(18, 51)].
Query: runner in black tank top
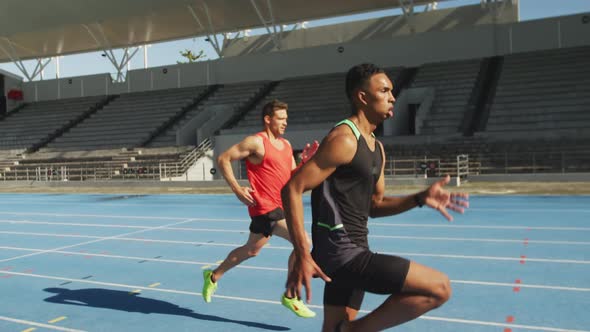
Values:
[(341, 204), (347, 178)]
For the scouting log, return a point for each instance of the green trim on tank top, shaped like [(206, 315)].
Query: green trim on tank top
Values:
[(352, 126), (331, 228)]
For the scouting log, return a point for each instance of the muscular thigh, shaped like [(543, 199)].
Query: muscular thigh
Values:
[(421, 279)]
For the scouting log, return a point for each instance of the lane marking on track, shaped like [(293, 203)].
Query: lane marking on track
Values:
[(47, 326), (99, 239), (274, 302)]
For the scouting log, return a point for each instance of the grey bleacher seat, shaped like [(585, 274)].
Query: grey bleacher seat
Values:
[(233, 95), (542, 92), (126, 121), (38, 120), (317, 99), (453, 83)]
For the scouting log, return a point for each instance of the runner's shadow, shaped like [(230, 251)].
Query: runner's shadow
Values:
[(124, 301)]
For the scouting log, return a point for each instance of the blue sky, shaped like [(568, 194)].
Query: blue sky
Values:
[(168, 53)]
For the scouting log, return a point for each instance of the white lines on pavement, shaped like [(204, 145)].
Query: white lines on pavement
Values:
[(472, 239), (494, 258), (114, 216), (148, 259), (235, 245), (415, 225), (30, 323), (94, 241), (484, 323), (245, 299), (173, 261), (455, 226)]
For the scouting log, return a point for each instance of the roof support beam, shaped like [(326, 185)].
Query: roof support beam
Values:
[(212, 37), (109, 54), (407, 7), (9, 50), (275, 33), (496, 7)]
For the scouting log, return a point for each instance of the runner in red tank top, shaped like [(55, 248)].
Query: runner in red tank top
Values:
[(270, 163)]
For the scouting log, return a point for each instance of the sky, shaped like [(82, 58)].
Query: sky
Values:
[(167, 53)]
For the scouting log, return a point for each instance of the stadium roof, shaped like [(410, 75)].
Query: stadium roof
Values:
[(32, 29)]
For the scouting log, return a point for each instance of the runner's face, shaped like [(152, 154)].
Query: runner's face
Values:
[(379, 97), (278, 122)]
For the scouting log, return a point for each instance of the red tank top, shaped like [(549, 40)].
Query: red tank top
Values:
[(268, 178)]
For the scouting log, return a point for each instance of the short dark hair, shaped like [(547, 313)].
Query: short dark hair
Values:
[(270, 108), (359, 75)]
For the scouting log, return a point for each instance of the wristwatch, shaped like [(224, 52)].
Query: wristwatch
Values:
[(418, 199)]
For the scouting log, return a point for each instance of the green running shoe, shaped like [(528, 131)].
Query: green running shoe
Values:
[(209, 287), (297, 306)]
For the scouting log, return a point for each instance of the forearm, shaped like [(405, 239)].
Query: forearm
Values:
[(389, 206), (293, 205), (228, 173), (294, 170)]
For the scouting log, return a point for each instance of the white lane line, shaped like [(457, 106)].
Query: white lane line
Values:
[(245, 299), (116, 238), (149, 259), (63, 223), (27, 222), (30, 323), (507, 284), (472, 239), (515, 326), (460, 239), (94, 241), (112, 203), (402, 254), (380, 224), (528, 210), (235, 245), (114, 216), (455, 226), (494, 258), (173, 261)]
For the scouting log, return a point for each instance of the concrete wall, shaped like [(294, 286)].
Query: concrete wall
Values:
[(405, 50)]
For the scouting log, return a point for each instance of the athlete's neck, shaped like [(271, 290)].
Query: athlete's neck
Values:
[(271, 136), (363, 124)]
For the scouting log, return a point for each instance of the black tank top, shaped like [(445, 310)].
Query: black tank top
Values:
[(341, 204)]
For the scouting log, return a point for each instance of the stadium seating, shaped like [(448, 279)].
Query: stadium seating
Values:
[(126, 121)]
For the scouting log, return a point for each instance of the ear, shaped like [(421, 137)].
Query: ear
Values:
[(267, 119), (362, 97)]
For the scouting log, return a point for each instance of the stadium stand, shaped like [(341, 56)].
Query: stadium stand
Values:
[(36, 121), (542, 93), (231, 96), (126, 121), (453, 82)]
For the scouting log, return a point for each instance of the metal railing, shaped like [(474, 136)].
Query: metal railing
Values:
[(168, 170), (494, 163)]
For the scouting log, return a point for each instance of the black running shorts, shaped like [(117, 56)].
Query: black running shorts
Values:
[(370, 272), (265, 223)]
